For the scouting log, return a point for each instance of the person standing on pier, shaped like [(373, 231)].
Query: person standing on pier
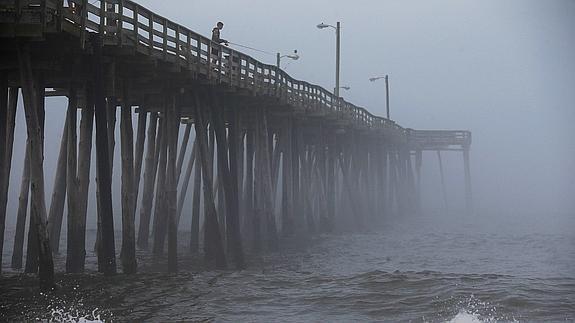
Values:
[(216, 32)]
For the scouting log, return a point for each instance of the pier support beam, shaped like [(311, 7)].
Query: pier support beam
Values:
[(106, 249), (160, 207), (18, 252), (249, 203), (56, 213), (214, 249), (139, 153), (35, 135), (227, 174), (8, 124), (128, 253), (186, 182), (4, 171), (74, 256), (467, 169), (84, 165), (331, 182), (233, 215), (195, 225), (173, 118), (443, 189), (287, 180), (418, 162), (152, 154)]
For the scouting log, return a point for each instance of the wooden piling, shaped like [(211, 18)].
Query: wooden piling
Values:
[(183, 149), (384, 192), (195, 225), (35, 135), (268, 217), (159, 228), (227, 173), (74, 256), (249, 206), (172, 185), (443, 189), (418, 162), (331, 182), (295, 175), (152, 155), (84, 163), (32, 250), (213, 247), (233, 216), (3, 160), (287, 180), (18, 252), (6, 161), (106, 249), (467, 170), (58, 193), (139, 153), (186, 181), (128, 251)]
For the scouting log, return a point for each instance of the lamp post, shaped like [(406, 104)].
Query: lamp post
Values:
[(293, 56), (386, 77), (337, 42)]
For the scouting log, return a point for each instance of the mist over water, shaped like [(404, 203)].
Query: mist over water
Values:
[(432, 268)]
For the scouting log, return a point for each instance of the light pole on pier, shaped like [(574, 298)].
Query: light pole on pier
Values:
[(293, 56), (337, 42), (386, 77)]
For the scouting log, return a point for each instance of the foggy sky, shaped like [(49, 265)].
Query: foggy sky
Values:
[(503, 69)]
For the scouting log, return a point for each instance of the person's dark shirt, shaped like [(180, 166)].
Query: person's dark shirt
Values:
[(216, 36)]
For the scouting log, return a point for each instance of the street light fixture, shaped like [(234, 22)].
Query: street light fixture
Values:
[(386, 77), (337, 41), (293, 56)]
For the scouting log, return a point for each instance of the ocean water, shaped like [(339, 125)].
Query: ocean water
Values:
[(425, 269)]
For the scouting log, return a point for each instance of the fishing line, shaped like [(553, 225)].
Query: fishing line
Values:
[(248, 47)]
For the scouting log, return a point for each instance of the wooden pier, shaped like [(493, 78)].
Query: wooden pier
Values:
[(271, 156)]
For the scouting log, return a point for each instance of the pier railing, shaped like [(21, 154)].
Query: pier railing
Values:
[(439, 139), (127, 24)]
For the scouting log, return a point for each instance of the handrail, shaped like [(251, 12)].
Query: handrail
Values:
[(126, 23)]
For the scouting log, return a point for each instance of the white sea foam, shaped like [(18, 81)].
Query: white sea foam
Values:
[(465, 317), (73, 315)]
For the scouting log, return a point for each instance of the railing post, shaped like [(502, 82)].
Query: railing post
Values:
[(102, 19), (60, 11), (136, 27), (178, 45), (83, 18), (119, 23), (151, 32), (165, 38), (188, 49)]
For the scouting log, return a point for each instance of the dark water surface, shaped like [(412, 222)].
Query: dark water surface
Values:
[(425, 270)]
